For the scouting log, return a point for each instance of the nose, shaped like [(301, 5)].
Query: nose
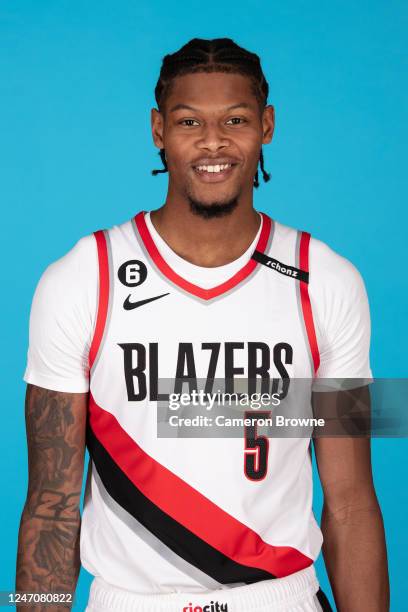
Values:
[(212, 139)]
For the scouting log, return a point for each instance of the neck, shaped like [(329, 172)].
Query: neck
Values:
[(206, 242)]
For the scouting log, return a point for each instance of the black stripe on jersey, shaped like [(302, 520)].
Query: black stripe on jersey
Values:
[(174, 535), (278, 266), (323, 601)]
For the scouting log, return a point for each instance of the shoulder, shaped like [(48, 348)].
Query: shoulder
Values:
[(333, 279), (79, 266), (340, 304), (336, 287), (61, 320), (83, 252), (73, 269), (326, 266), (330, 264), (70, 282), (77, 270)]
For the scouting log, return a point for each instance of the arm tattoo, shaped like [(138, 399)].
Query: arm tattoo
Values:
[(48, 551)]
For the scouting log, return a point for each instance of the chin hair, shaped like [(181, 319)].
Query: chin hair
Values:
[(215, 209)]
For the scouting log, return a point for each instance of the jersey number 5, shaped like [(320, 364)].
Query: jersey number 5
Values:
[(256, 448)]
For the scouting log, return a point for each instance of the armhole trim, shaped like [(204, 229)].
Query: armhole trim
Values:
[(103, 295), (305, 301)]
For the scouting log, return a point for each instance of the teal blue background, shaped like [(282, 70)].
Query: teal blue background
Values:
[(76, 88)]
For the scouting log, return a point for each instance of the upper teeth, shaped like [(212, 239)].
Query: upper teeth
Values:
[(217, 168)]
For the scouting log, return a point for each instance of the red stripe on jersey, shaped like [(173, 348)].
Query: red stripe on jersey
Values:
[(305, 300), (205, 294), (103, 301), (188, 506)]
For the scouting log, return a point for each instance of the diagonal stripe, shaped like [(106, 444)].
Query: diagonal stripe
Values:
[(187, 506), (324, 604), (174, 535), (151, 540)]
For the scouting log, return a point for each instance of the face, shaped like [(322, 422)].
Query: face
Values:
[(212, 129)]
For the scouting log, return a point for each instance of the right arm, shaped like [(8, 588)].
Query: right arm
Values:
[(61, 325), (48, 543)]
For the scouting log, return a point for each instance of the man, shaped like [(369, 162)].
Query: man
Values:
[(204, 287)]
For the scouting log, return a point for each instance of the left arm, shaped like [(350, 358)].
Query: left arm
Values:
[(354, 546)]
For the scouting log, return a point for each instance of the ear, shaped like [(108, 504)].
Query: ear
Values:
[(157, 128), (268, 124)]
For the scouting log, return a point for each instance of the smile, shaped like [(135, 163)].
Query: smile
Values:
[(214, 173), (216, 168)]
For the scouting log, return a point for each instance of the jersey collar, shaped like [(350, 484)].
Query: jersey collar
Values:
[(196, 290)]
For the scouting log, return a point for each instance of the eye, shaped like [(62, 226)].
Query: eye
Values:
[(236, 121), (189, 122)]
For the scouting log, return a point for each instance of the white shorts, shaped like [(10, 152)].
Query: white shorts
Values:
[(294, 593)]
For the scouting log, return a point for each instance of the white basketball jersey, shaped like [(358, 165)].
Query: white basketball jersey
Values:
[(193, 514)]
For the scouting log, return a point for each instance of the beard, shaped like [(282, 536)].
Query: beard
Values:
[(213, 210)]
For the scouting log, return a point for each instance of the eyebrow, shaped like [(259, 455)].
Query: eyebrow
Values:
[(191, 108)]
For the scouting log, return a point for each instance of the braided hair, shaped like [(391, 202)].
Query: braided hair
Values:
[(217, 55)]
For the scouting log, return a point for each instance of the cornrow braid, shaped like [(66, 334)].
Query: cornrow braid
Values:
[(217, 55), (265, 175), (162, 154)]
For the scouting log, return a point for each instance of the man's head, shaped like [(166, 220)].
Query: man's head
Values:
[(211, 122)]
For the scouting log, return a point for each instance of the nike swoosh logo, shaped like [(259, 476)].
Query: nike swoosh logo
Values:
[(128, 305)]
